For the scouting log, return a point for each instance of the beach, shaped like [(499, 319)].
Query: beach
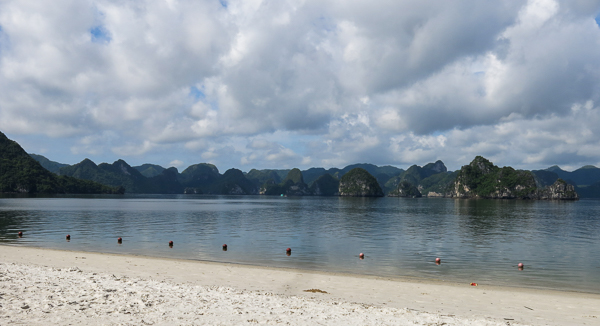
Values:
[(42, 286)]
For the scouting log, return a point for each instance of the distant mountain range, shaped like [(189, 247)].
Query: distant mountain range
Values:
[(586, 179), (433, 179), (478, 179)]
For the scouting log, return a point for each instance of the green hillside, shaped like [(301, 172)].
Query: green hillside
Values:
[(292, 185), (51, 166), (325, 185), (117, 174), (358, 182), (233, 182), (482, 179), (431, 177), (584, 176), (20, 173), (381, 173), (260, 177), (149, 170)]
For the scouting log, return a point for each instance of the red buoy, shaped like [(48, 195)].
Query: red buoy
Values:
[(225, 247), (288, 250), (68, 237), (20, 234), (438, 260), (361, 255), (170, 243), (521, 266), (119, 240)]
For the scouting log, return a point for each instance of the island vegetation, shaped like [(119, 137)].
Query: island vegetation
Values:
[(482, 179), (20, 173), (292, 185), (359, 183), (30, 173)]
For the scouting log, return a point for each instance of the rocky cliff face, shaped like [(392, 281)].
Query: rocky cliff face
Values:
[(434, 194), (405, 189), (298, 189), (482, 179), (266, 188), (292, 185), (437, 167), (359, 183), (559, 190)]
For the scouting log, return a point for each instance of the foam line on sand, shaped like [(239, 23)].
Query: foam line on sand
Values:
[(41, 287)]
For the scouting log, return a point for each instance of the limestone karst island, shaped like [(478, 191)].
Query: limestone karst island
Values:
[(29, 173)]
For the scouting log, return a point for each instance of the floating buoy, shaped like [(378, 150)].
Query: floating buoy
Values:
[(288, 250), (438, 260), (119, 240), (225, 247), (170, 243), (20, 234), (473, 284), (361, 255), (68, 237), (520, 265)]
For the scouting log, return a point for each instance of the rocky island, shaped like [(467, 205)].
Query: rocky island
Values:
[(30, 173), (405, 189), (292, 185), (482, 179), (359, 183)]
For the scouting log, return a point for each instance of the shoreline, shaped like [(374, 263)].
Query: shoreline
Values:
[(397, 278), (437, 297)]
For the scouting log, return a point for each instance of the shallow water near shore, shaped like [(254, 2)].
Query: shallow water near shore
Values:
[(479, 241)]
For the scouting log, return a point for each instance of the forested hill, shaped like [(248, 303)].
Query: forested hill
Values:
[(20, 173), (431, 180), (482, 179)]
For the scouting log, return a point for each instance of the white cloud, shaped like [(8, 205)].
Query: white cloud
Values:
[(176, 163), (133, 149), (284, 84)]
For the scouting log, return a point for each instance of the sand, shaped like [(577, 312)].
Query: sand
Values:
[(49, 287)]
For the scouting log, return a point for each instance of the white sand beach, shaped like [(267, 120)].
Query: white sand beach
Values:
[(51, 287)]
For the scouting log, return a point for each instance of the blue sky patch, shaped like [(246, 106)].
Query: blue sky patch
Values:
[(99, 34), (197, 93), (223, 3), (598, 20)]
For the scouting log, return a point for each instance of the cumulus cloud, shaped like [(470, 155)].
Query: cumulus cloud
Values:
[(269, 152), (176, 163), (306, 83)]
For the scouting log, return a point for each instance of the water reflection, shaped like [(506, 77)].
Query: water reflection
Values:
[(477, 240)]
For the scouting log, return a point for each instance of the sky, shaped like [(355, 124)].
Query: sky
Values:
[(306, 83)]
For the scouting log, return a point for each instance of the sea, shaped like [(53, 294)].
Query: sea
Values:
[(477, 240)]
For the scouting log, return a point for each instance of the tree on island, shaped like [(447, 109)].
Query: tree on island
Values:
[(359, 183), (20, 173)]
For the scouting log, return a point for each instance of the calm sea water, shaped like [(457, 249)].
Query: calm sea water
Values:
[(478, 241)]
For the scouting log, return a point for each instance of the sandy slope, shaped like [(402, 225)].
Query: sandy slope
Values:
[(41, 287)]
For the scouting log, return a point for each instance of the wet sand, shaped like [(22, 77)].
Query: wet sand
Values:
[(42, 286)]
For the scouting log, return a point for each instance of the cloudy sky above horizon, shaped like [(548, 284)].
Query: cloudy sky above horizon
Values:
[(304, 83)]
